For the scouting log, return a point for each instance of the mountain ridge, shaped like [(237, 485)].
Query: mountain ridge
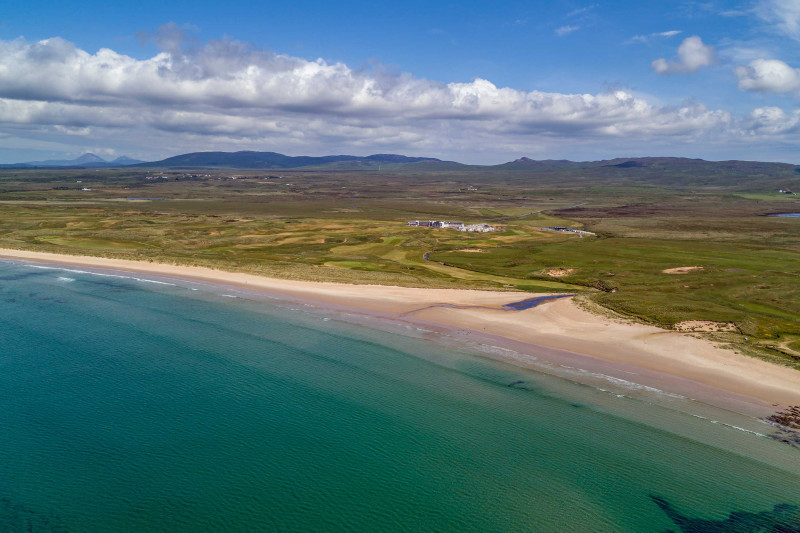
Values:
[(276, 161), (87, 160), (273, 160)]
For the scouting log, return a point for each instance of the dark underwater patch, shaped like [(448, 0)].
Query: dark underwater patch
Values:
[(783, 518), (17, 517)]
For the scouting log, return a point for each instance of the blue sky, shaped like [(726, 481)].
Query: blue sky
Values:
[(477, 82)]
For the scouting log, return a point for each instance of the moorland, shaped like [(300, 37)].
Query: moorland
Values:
[(652, 219)]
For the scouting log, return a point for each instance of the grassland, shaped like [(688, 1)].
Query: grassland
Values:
[(350, 227)]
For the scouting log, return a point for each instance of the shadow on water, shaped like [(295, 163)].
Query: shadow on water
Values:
[(783, 518), (16, 517)]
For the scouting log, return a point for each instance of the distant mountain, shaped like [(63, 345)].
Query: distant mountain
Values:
[(663, 171), (654, 171), (84, 161), (394, 158), (639, 170), (647, 164), (274, 160), (124, 160), (524, 163), (551, 165)]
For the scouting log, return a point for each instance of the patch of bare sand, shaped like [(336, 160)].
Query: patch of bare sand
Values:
[(472, 250), (560, 272), (681, 270), (704, 326)]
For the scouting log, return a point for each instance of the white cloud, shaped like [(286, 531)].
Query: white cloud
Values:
[(566, 30), (53, 82), (773, 121), (782, 15), (651, 36), (768, 75), (692, 55), (228, 95)]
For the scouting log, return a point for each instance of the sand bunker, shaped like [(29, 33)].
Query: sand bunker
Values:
[(472, 250), (560, 272), (681, 270), (705, 325)]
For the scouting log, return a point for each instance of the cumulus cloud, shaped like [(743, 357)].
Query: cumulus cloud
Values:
[(769, 76), (692, 55), (228, 93), (773, 121)]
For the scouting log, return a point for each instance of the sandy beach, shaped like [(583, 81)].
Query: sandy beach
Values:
[(557, 330)]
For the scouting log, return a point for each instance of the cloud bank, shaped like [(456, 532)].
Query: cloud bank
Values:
[(227, 94)]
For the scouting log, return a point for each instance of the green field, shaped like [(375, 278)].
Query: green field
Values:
[(350, 227)]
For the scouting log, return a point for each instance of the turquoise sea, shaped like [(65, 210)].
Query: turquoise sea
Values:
[(159, 405)]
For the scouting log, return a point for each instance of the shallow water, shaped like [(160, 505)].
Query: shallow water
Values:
[(129, 404)]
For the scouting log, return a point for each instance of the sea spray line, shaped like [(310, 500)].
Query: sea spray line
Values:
[(144, 280), (713, 421), (635, 386)]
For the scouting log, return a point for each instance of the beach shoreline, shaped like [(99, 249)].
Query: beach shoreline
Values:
[(557, 332)]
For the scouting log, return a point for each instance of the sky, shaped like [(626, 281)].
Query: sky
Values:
[(476, 82)]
